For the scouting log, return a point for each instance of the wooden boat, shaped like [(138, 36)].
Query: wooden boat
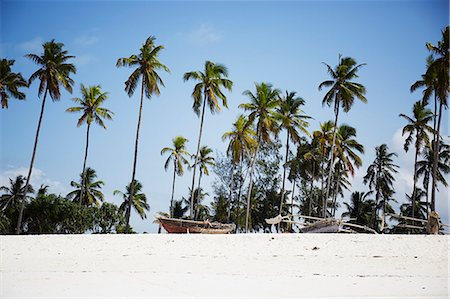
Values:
[(183, 226)]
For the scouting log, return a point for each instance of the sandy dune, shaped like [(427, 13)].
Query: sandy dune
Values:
[(225, 266)]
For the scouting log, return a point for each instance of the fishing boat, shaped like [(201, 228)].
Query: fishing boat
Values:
[(183, 226)]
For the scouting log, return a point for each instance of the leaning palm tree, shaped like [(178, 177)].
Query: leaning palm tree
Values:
[(342, 93), (242, 142), (10, 83), (88, 189), (53, 73), (138, 199), (178, 156), (147, 66), (438, 71), (291, 118), (262, 111), (418, 129), (206, 92), (90, 106), (380, 177), (203, 161)]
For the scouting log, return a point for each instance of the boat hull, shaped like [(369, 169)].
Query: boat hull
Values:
[(181, 226)]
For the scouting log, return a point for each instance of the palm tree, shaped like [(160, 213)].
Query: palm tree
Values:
[(211, 80), (147, 66), (438, 71), (89, 105), (138, 199), (242, 142), (177, 156), (88, 189), (262, 110), (10, 83), (342, 93), (203, 161), (291, 118), (13, 194), (321, 144), (360, 208), (418, 129), (425, 167), (54, 72), (380, 177)]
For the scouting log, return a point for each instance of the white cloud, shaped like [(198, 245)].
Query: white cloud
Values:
[(38, 178), (33, 45), (86, 40), (204, 35), (83, 59)]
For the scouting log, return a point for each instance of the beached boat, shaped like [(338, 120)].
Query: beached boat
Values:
[(183, 226)]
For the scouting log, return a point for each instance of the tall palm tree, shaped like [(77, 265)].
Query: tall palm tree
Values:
[(203, 161), (262, 110), (90, 106), (10, 83), (242, 142), (146, 66), (321, 145), (13, 194), (291, 118), (54, 72), (380, 177), (177, 156), (347, 149), (418, 129), (342, 93), (138, 199), (438, 70), (88, 189), (206, 92)]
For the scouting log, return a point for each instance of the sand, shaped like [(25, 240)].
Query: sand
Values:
[(225, 266)]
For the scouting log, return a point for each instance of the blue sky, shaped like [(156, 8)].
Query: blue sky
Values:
[(283, 43)]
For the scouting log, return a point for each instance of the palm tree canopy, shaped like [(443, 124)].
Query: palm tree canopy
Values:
[(425, 166), (343, 90), (92, 194), (147, 66), (347, 147), (323, 138), (90, 106), (417, 127), (242, 139), (177, 154), (10, 83), (139, 199), (211, 80), (205, 159), (262, 107), (290, 116), (13, 194), (54, 71)]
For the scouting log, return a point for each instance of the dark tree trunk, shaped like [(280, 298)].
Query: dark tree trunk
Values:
[(247, 214), (413, 199), (312, 189), (230, 197), (435, 160), (133, 175), (284, 172), (336, 110), (173, 189), (83, 173), (198, 195), (36, 139), (196, 158)]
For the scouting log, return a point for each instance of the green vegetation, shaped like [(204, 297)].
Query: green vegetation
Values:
[(320, 163)]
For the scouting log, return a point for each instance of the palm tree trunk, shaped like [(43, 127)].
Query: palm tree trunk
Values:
[(292, 197), (336, 189), (312, 188), (324, 199), (196, 158), (250, 189), (241, 183), (133, 175), (435, 160), (36, 139), (413, 199), (198, 194), (284, 172), (173, 190), (336, 109), (83, 174), (231, 192)]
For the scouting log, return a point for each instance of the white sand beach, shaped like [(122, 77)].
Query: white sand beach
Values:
[(225, 266)]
